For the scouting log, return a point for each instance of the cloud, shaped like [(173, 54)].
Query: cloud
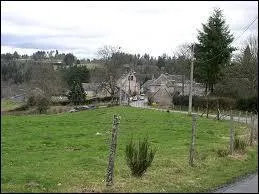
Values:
[(138, 27)]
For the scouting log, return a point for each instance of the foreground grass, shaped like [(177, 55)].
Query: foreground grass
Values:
[(62, 153)]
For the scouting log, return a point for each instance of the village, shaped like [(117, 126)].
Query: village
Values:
[(129, 97)]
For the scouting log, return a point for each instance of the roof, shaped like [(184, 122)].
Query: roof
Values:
[(90, 86), (147, 83)]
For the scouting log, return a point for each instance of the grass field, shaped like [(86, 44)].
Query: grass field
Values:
[(7, 105), (62, 153)]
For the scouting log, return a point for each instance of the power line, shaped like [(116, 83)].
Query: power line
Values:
[(233, 41)]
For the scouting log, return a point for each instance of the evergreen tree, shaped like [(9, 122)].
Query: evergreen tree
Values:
[(76, 94), (213, 50)]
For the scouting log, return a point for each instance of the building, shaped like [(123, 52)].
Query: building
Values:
[(128, 84), (95, 90), (166, 86)]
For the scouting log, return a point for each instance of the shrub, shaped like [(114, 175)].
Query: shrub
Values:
[(223, 152), (31, 101), (42, 104), (140, 157), (150, 101), (201, 101), (248, 104)]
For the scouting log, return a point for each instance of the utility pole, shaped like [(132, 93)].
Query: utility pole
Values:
[(120, 95), (191, 79), (129, 77)]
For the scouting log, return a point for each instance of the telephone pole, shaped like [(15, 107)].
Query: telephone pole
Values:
[(129, 77), (191, 80)]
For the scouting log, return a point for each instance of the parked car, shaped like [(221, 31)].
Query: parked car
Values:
[(141, 98), (142, 94), (135, 98)]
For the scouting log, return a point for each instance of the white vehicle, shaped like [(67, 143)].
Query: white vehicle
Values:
[(135, 98), (142, 98), (142, 94)]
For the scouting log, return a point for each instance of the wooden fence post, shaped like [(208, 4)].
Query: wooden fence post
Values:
[(110, 169), (192, 149), (239, 115), (231, 133), (246, 117), (251, 131)]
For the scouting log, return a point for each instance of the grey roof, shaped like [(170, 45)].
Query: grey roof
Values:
[(147, 83), (90, 86)]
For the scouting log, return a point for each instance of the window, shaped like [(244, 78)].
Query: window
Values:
[(130, 77)]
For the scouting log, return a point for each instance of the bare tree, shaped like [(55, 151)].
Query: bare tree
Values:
[(112, 69), (46, 79), (184, 50), (252, 42), (106, 52), (240, 78)]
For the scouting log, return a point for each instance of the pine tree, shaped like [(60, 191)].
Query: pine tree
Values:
[(77, 95), (213, 50)]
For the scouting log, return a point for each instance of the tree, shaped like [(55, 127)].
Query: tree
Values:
[(76, 94), (74, 73), (240, 79), (16, 55), (39, 55), (113, 69), (69, 59), (161, 61), (213, 50)]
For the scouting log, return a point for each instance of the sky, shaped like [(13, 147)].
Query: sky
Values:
[(82, 27)]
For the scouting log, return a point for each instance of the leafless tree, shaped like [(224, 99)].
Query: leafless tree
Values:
[(184, 50), (45, 78), (112, 69), (241, 77)]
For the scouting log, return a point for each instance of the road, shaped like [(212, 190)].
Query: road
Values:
[(141, 104), (247, 185)]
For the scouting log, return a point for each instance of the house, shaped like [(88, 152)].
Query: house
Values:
[(163, 96), (95, 90), (125, 85), (128, 84), (162, 89)]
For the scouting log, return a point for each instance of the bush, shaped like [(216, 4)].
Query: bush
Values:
[(201, 102), (223, 152), (42, 104), (248, 104), (31, 101), (150, 101), (140, 157)]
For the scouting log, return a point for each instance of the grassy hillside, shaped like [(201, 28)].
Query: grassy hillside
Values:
[(62, 153), (7, 105)]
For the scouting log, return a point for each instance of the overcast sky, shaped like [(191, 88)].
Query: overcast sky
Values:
[(138, 27)]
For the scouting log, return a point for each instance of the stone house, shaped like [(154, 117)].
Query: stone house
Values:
[(163, 96), (165, 87), (95, 90), (128, 84)]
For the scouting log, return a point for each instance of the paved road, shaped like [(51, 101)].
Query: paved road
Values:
[(140, 104), (248, 185)]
